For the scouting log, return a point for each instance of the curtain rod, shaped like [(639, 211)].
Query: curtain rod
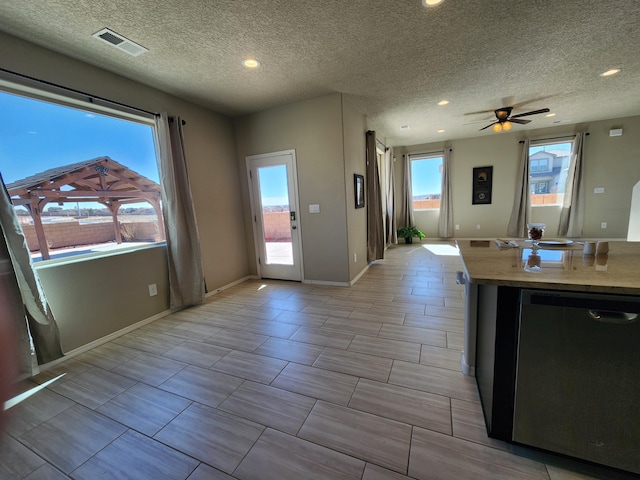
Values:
[(553, 138), (90, 98), (426, 153)]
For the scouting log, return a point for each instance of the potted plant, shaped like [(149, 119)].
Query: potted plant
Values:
[(409, 232)]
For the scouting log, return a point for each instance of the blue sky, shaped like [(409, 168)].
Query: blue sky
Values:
[(273, 185), (37, 135), (425, 176)]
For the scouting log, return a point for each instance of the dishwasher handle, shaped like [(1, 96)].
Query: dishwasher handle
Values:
[(605, 316)]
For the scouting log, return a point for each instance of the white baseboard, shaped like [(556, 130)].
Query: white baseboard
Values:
[(232, 284), (324, 282), (364, 270), (105, 339), (466, 369)]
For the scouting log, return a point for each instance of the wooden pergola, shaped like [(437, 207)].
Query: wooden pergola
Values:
[(100, 180)]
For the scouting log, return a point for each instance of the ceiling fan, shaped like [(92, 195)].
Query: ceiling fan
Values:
[(504, 119)]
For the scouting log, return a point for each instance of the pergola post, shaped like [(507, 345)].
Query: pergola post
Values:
[(156, 206), (35, 208), (114, 206)]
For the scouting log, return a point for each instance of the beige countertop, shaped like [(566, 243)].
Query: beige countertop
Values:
[(557, 268)]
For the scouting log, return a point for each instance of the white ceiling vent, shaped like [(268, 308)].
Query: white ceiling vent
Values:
[(118, 41)]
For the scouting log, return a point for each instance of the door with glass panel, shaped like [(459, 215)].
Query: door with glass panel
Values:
[(274, 209)]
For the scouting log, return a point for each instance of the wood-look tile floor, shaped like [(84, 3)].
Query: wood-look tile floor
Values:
[(280, 380)]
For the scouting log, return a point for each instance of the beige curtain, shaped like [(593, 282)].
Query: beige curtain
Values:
[(34, 325), (522, 203), (445, 219), (572, 214), (392, 229), (375, 230), (408, 219), (186, 278)]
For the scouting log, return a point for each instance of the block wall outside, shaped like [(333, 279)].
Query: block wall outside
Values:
[(69, 234), (277, 226)]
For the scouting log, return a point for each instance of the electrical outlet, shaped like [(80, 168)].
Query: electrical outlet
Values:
[(153, 290), (598, 190), (457, 227), (478, 227), (603, 225)]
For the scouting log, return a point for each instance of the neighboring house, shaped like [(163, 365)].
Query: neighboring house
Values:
[(548, 170)]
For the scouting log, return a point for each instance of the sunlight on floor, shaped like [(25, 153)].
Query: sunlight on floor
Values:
[(439, 249), (23, 396)]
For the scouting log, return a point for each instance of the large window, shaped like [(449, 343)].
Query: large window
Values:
[(548, 167), (426, 182), (81, 181)]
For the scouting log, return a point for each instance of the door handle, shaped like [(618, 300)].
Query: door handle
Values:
[(613, 317)]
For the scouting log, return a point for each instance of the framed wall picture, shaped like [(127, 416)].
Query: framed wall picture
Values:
[(358, 189), (482, 183)]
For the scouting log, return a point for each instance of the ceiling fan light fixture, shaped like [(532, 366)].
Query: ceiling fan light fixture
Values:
[(506, 126), (497, 127), (503, 114), (431, 3)]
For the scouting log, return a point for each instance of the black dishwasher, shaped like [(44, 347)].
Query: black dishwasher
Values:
[(578, 376)]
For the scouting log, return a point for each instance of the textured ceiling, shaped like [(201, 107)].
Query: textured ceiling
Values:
[(394, 58)]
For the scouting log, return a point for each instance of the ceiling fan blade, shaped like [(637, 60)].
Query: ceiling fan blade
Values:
[(517, 120), (490, 125), (534, 112)]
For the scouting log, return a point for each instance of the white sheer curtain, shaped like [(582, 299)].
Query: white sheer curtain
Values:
[(522, 203), (392, 229), (186, 278), (408, 219), (445, 219), (572, 214), (34, 325)]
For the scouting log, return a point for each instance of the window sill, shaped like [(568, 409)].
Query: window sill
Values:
[(109, 252)]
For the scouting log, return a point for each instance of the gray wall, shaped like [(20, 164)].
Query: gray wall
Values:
[(212, 165), (609, 162), (314, 129), (95, 297)]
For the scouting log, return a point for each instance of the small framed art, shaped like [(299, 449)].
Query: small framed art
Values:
[(482, 182), (358, 190)]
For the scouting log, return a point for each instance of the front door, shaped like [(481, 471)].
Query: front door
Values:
[(274, 209)]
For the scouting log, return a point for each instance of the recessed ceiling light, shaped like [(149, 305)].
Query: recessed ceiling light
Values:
[(404, 127), (443, 102), (608, 73), (550, 115), (441, 131), (251, 63), (431, 3)]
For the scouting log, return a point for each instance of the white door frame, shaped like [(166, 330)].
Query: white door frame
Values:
[(295, 206)]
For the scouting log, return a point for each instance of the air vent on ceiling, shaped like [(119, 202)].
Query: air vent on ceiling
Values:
[(118, 41)]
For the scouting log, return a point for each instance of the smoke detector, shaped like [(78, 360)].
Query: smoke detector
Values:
[(116, 40)]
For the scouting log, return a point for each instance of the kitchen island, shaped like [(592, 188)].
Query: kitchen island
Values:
[(552, 337)]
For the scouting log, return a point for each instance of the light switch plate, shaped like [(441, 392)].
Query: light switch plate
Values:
[(314, 208), (598, 190)]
